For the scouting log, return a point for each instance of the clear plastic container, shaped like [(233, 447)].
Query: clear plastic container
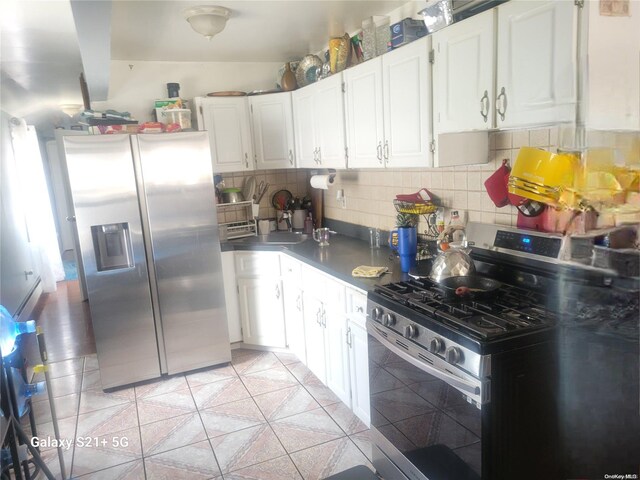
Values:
[(368, 39), (181, 116), (437, 15), (376, 35), (383, 34)]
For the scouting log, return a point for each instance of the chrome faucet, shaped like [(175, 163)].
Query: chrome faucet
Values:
[(286, 216)]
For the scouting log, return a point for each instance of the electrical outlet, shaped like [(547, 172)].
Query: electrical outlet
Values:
[(341, 199)]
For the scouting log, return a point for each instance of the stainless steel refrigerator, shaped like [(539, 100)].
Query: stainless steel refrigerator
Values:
[(146, 220)]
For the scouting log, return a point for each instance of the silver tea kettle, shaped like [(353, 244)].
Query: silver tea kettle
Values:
[(452, 261)]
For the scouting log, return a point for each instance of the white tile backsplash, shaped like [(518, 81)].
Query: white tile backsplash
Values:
[(370, 193)]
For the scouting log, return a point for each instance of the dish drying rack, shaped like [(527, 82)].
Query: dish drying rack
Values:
[(245, 227), (419, 203)]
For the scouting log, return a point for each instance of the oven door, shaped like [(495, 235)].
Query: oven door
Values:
[(425, 424)]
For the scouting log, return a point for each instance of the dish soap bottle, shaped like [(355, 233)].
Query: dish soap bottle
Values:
[(308, 224)]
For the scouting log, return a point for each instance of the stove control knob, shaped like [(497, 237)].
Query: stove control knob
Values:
[(453, 355), (410, 331), (376, 313), (388, 319), (436, 345)]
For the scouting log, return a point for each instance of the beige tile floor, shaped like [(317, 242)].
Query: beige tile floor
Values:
[(264, 416)]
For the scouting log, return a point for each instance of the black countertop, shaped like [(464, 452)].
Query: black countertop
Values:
[(338, 259)]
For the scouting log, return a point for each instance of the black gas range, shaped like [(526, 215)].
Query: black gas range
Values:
[(508, 319), (465, 389)]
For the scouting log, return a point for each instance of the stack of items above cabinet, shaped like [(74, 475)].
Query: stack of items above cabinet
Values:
[(247, 133), (388, 109)]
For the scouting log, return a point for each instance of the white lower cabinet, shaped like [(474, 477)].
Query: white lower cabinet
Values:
[(325, 338), (293, 314), (314, 336), (231, 297), (260, 298), (285, 303), (337, 353), (359, 371), (358, 351)]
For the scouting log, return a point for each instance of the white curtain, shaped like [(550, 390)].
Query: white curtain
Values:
[(37, 205)]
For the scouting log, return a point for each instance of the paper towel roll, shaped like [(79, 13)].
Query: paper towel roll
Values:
[(322, 181)]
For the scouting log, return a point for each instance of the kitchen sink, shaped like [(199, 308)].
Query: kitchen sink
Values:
[(278, 238)]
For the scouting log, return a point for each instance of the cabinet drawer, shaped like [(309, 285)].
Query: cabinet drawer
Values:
[(255, 264), (356, 301), (291, 268)]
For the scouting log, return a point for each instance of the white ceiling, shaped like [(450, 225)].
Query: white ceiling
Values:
[(43, 52)]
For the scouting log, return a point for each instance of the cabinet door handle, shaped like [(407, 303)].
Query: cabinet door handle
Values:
[(379, 151), (290, 157), (484, 102), (315, 155), (501, 103), (298, 304), (348, 335), (246, 160), (360, 309), (278, 291), (319, 156), (318, 313), (386, 150), (324, 318)]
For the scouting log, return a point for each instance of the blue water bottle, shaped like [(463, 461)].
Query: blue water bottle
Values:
[(9, 330)]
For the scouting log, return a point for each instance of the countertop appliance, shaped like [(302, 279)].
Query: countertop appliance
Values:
[(145, 215), (504, 387)]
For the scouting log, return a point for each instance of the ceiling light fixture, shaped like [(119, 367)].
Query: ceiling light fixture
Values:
[(207, 20), (71, 109)]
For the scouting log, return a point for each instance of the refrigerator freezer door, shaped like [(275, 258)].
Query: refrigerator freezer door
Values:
[(103, 188), (180, 205)]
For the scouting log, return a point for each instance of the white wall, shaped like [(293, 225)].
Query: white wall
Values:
[(135, 85), (614, 69), (15, 249)]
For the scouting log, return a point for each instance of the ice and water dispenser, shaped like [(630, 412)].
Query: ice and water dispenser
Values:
[(112, 246)]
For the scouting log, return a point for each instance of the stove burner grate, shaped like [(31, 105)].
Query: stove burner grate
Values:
[(511, 310)]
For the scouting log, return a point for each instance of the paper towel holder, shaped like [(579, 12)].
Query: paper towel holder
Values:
[(329, 175), (324, 171)]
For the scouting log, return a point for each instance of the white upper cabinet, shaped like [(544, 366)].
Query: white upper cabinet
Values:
[(305, 127), (364, 112), (272, 120), (464, 75), (407, 105), (536, 72), (318, 112), (227, 121), (388, 109)]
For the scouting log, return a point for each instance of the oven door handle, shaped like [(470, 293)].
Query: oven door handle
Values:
[(452, 380)]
